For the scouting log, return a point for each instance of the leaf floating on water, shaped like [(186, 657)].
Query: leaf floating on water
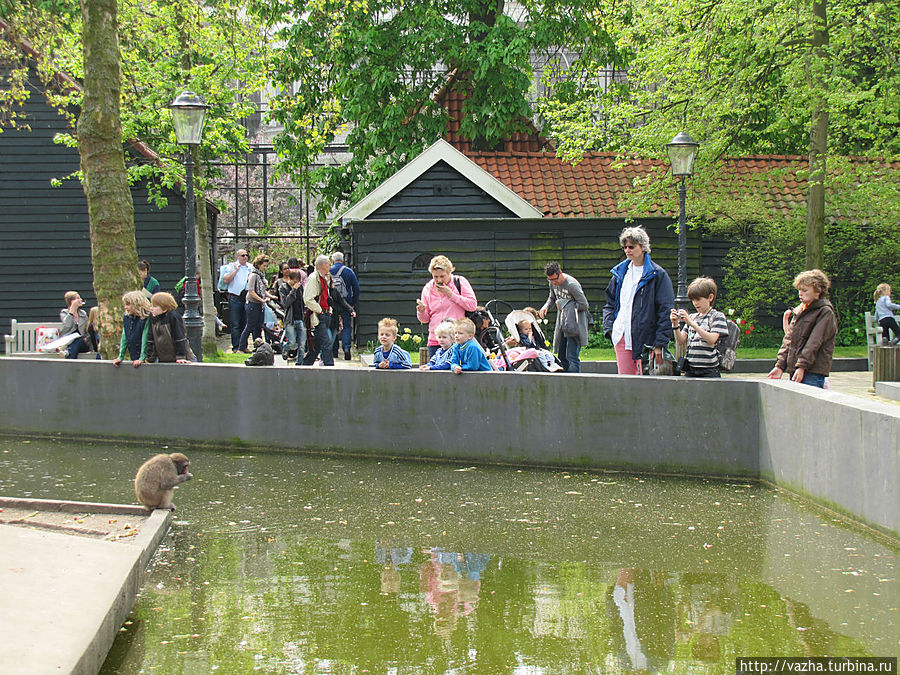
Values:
[(468, 468)]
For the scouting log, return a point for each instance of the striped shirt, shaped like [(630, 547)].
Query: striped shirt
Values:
[(701, 354)]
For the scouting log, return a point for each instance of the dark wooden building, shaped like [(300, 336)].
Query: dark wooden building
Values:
[(45, 229), (445, 203)]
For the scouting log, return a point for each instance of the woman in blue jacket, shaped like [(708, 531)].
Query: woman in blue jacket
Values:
[(639, 298)]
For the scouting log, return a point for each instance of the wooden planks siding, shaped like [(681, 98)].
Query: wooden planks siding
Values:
[(441, 192), (45, 230), (502, 258)]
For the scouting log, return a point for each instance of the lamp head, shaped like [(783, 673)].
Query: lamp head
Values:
[(188, 116), (682, 151)]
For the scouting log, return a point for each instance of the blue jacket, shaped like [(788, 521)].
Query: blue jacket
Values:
[(469, 356), (653, 300), (441, 359), (350, 281), (397, 358)]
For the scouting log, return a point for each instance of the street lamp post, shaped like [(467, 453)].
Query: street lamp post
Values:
[(188, 115), (682, 151)]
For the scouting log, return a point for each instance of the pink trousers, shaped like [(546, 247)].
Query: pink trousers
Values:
[(625, 363)]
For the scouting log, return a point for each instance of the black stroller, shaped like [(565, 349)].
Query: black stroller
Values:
[(488, 332)]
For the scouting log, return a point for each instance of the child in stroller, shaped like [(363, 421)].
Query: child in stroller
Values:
[(528, 347)]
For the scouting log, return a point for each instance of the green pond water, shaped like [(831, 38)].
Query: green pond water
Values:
[(293, 563)]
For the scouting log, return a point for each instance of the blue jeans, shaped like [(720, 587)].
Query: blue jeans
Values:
[(76, 347), (814, 380), (324, 339), (346, 332), (254, 325), (569, 349), (238, 318), (295, 338)]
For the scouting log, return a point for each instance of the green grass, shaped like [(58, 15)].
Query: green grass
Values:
[(609, 354), (597, 354)]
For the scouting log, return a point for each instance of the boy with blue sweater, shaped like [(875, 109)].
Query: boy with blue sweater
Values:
[(445, 334), (467, 354), (389, 355)]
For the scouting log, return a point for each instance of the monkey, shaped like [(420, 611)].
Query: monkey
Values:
[(156, 480)]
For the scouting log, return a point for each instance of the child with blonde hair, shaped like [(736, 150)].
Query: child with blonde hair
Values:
[(884, 314), (135, 328), (388, 355), (808, 347), (467, 354), (166, 341), (444, 333)]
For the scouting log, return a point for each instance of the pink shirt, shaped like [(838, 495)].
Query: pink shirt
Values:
[(438, 307)]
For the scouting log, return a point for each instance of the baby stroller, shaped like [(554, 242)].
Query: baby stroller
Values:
[(273, 325), (489, 335), (539, 359)]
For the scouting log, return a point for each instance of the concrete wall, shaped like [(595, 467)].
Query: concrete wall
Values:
[(835, 449)]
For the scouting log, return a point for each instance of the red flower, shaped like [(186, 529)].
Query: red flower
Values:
[(747, 332), (741, 321), (751, 327)]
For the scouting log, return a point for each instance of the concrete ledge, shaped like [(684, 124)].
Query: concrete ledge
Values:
[(888, 390), (65, 597), (833, 448)]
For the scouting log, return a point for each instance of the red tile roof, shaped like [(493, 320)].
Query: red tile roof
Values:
[(598, 185)]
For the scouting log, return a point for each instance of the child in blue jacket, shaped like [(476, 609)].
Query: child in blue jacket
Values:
[(467, 354), (389, 355), (445, 334)]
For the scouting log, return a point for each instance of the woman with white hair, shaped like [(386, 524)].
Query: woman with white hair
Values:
[(639, 298)]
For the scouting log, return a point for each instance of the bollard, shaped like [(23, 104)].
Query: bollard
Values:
[(886, 364), (423, 355)]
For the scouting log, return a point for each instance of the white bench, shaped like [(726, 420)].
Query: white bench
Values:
[(23, 339)]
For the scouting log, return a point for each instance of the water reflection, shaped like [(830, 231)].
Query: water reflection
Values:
[(301, 564)]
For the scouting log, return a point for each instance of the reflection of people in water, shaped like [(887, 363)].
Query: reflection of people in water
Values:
[(707, 604), (391, 559), (645, 605), (451, 583)]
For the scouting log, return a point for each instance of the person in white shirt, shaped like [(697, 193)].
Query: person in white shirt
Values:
[(235, 275), (639, 298)]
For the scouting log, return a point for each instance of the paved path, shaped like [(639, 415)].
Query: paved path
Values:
[(856, 383)]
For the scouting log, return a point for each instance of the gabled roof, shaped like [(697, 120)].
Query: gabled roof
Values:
[(441, 150), (596, 186)]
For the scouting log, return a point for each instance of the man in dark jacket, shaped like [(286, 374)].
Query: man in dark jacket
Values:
[(639, 298)]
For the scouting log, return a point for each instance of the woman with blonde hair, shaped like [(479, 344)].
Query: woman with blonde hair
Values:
[(135, 328), (446, 296)]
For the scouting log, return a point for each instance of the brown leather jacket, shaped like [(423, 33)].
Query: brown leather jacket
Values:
[(809, 342)]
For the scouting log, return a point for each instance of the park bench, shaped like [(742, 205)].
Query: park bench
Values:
[(22, 341)]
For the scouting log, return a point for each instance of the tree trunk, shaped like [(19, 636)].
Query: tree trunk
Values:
[(818, 141), (203, 253), (110, 208)]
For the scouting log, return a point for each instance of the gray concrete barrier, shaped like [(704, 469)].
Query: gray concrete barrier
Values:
[(818, 443)]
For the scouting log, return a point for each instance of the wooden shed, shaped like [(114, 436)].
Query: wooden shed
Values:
[(445, 202)]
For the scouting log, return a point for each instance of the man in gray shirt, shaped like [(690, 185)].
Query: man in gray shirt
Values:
[(571, 331)]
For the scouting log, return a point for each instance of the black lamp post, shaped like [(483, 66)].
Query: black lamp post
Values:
[(188, 115), (682, 151)]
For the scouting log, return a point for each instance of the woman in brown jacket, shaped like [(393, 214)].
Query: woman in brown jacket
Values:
[(808, 346)]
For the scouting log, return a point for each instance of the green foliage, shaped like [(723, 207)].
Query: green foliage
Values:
[(369, 70)]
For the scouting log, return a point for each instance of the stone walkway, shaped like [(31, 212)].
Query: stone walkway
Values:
[(856, 383)]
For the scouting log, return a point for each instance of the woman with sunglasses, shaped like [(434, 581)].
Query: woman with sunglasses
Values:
[(639, 299)]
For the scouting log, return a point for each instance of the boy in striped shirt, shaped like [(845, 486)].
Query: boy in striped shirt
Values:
[(389, 355), (701, 330)]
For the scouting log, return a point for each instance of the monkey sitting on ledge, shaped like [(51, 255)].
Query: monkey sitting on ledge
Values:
[(156, 480)]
